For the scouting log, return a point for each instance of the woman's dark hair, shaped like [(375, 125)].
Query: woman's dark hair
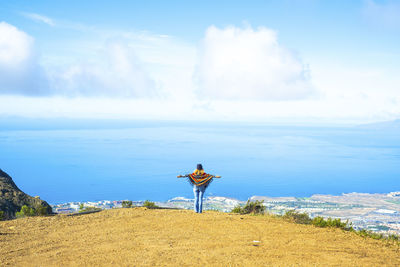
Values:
[(199, 167)]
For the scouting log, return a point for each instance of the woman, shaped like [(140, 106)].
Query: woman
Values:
[(200, 181)]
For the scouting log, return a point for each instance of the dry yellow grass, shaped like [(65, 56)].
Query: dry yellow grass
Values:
[(149, 237)]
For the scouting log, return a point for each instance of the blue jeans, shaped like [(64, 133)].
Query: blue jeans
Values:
[(198, 197)]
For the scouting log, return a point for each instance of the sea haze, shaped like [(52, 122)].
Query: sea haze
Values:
[(64, 161)]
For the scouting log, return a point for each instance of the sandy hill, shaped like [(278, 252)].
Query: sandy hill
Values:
[(151, 237)]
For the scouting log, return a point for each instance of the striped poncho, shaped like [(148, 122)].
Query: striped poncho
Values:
[(199, 177)]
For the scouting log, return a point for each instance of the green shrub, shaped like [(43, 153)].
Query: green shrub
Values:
[(254, 207), (41, 211), (319, 221), (336, 223), (393, 237), (251, 207), (297, 217), (25, 211), (370, 234), (365, 233), (127, 204), (149, 204), (1, 215), (237, 209)]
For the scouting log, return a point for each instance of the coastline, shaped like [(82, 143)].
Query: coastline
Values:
[(374, 212)]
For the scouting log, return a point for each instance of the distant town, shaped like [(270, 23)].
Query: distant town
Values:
[(374, 212)]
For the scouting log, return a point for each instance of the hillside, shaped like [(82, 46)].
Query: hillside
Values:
[(12, 198), (151, 237)]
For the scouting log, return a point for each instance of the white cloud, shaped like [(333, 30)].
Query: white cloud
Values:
[(238, 63), (39, 18), (19, 70), (116, 72), (140, 75), (16, 46), (108, 68)]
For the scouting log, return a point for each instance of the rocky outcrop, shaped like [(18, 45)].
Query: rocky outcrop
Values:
[(12, 198)]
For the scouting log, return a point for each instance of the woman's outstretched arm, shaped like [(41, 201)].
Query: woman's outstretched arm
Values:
[(187, 175), (215, 176)]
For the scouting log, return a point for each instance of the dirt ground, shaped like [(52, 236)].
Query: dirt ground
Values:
[(151, 237)]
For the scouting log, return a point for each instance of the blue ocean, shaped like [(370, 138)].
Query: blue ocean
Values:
[(63, 161)]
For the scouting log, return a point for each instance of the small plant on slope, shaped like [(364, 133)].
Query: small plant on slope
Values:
[(41, 210), (251, 207), (149, 204), (25, 211), (127, 204), (297, 217)]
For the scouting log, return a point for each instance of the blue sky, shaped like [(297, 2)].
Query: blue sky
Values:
[(273, 61)]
